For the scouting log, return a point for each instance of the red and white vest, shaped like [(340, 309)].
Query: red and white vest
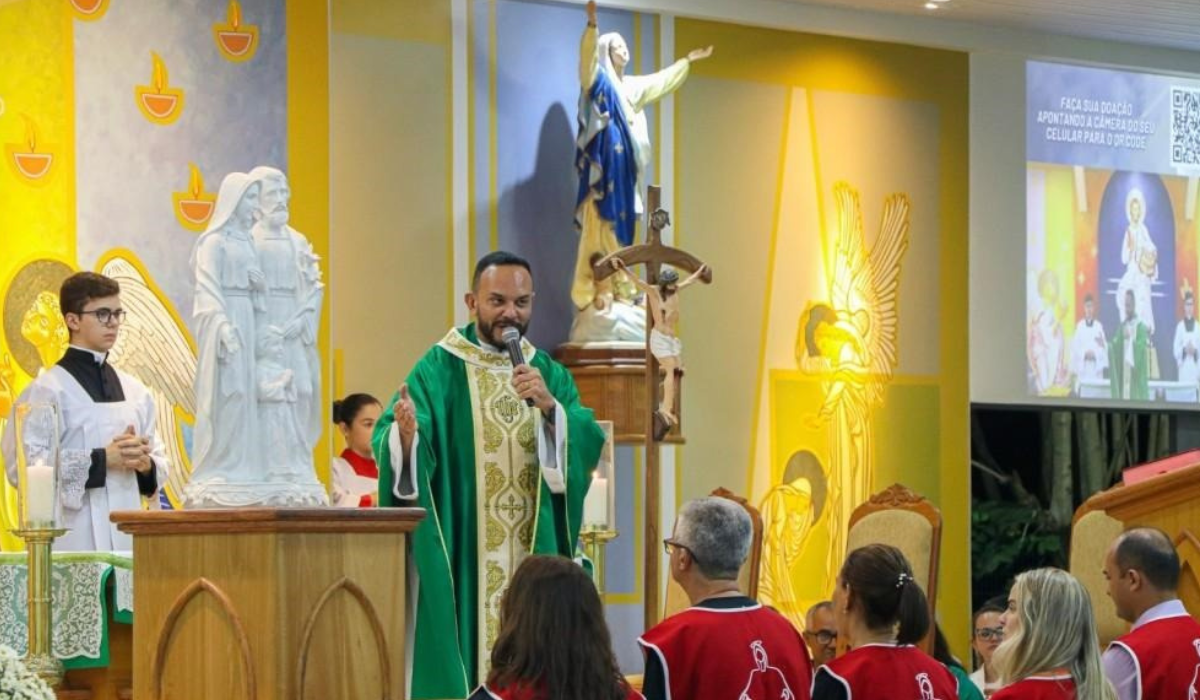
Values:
[(1167, 654), (891, 672), (749, 653), (1041, 688), (525, 691)]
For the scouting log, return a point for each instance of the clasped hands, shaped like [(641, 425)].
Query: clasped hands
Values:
[(128, 452)]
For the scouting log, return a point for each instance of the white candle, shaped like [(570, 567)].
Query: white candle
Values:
[(39, 494), (595, 504)]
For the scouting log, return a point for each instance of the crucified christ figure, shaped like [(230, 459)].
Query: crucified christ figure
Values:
[(663, 299)]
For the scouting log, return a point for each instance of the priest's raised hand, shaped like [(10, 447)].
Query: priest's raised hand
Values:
[(406, 417)]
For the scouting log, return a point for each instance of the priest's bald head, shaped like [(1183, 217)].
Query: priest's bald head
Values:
[(501, 295), (710, 543)]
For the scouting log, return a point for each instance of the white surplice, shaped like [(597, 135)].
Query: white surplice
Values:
[(1189, 368), (87, 425), (1089, 351)]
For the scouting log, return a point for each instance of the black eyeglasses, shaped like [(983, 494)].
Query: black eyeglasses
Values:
[(669, 545), (822, 636), (106, 316), (989, 633)]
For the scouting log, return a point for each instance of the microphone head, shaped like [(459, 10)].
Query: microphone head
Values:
[(510, 335)]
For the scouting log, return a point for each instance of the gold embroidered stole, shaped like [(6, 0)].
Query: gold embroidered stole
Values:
[(507, 478)]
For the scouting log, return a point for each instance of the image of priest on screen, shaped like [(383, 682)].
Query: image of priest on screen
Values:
[(1129, 355)]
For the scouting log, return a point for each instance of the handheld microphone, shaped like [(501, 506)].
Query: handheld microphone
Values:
[(512, 341)]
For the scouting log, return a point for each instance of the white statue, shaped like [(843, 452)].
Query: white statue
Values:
[(613, 151), (248, 437), (291, 318)]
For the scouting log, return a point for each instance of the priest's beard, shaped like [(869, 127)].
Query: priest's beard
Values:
[(491, 333)]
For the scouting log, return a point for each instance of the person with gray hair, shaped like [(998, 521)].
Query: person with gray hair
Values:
[(726, 644)]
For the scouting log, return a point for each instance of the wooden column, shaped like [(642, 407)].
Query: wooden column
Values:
[(653, 254), (653, 608)]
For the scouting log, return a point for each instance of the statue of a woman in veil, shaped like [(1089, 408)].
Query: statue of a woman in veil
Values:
[(612, 154), (229, 285)]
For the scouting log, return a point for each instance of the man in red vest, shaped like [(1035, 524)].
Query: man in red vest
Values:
[(1160, 657), (726, 645)]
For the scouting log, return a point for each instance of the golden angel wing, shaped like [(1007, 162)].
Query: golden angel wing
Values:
[(849, 293), (850, 271), (885, 263), (154, 347)]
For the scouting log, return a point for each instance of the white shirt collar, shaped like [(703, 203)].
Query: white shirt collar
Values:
[(1170, 608), (98, 356)]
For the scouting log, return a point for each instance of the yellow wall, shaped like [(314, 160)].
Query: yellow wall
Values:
[(308, 155), (764, 130), (391, 188)]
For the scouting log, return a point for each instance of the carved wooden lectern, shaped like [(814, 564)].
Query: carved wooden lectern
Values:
[(269, 603)]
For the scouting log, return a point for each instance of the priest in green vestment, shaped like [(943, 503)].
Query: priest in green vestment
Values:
[(1129, 356), (500, 479)]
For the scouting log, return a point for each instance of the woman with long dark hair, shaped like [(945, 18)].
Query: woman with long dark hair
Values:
[(883, 613), (553, 643)]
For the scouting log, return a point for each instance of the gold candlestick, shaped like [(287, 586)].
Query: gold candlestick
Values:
[(595, 539), (41, 659)]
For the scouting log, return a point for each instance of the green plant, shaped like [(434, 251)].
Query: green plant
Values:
[(1008, 538)]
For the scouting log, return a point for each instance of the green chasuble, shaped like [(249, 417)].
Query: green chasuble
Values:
[(1130, 382), (489, 500)]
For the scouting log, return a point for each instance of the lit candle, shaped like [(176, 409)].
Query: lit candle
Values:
[(595, 504), (39, 494)]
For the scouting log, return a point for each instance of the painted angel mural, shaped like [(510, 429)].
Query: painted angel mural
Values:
[(155, 348), (850, 341), (789, 511)]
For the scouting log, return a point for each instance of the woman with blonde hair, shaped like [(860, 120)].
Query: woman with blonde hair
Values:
[(1051, 650)]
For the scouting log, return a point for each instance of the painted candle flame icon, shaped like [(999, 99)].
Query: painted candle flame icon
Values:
[(31, 164), (89, 10), (159, 103), (237, 42), (194, 207)]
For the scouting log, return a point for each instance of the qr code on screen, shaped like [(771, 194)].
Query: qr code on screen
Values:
[(1185, 127)]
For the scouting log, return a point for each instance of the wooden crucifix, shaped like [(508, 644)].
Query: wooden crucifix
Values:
[(663, 350)]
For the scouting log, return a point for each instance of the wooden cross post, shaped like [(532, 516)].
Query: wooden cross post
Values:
[(653, 254)]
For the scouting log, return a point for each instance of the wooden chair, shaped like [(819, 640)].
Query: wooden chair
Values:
[(1092, 531), (1169, 501), (677, 600), (900, 517)]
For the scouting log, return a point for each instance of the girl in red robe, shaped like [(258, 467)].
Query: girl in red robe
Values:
[(553, 642), (355, 478), (1051, 649)]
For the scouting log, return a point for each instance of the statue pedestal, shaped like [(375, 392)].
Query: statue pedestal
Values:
[(269, 603), (612, 382)]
